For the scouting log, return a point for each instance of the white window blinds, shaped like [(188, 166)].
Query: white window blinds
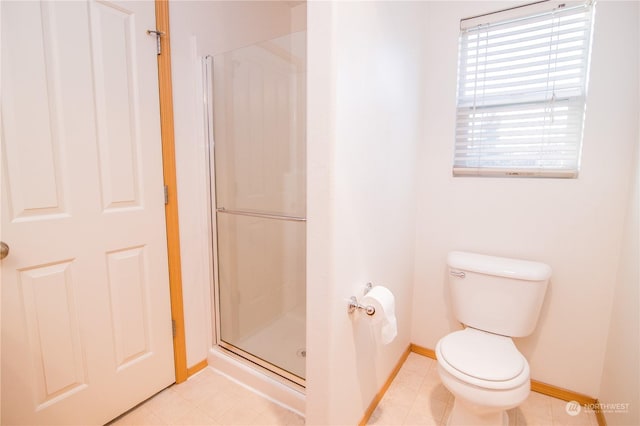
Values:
[(521, 93)]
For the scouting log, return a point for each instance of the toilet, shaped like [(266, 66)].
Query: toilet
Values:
[(495, 298)]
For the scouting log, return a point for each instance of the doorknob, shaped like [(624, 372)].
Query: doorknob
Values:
[(4, 250)]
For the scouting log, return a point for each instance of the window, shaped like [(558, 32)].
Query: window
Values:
[(522, 79)]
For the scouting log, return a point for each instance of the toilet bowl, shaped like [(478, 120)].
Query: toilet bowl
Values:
[(495, 298), (485, 373)]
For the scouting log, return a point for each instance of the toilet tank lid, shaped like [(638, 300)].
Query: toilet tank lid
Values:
[(499, 266)]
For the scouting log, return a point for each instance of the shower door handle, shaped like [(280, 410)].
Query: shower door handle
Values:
[(262, 215)]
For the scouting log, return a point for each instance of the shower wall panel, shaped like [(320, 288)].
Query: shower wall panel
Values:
[(259, 157)]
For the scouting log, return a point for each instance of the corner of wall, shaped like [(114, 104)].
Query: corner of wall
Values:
[(620, 382), (320, 124)]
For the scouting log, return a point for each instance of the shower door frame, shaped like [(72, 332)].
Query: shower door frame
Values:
[(262, 365)]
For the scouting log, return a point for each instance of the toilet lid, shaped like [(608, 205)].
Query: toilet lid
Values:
[(482, 355)]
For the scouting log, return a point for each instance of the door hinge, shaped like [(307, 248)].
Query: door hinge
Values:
[(166, 195), (173, 328), (158, 34)]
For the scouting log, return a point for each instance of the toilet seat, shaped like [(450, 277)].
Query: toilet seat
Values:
[(483, 359)]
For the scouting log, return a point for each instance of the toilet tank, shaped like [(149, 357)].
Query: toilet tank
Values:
[(497, 294)]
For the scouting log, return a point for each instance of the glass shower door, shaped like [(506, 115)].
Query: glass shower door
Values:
[(260, 198)]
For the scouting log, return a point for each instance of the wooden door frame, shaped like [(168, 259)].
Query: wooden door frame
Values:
[(171, 207)]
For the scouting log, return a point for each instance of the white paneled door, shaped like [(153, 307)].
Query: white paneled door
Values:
[(86, 323)]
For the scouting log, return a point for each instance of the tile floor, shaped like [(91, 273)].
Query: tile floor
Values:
[(416, 397), (208, 398)]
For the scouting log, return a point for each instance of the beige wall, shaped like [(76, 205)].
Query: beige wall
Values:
[(574, 225), (365, 74)]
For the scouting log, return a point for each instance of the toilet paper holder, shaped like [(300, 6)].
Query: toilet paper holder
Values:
[(354, 304)]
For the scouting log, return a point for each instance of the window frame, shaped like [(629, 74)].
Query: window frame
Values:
[(470, 136)]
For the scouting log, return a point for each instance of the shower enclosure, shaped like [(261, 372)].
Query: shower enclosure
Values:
[(256, 103)]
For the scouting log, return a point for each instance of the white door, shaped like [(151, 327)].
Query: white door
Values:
[(86, 323)]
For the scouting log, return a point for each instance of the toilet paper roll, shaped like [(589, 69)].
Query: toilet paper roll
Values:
[(382, 299)]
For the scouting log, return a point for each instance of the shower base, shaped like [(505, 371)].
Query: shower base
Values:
[(282, 343)]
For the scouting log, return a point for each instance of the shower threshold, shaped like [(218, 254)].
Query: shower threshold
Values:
[(259, 379)]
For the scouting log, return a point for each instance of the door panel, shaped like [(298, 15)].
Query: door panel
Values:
[(86, 323), (128, 287), (35, 184), (112, 30), (53, 330)]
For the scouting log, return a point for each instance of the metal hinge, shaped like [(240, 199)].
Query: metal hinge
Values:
[(158, 34), (173, 327), (166, 195)]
